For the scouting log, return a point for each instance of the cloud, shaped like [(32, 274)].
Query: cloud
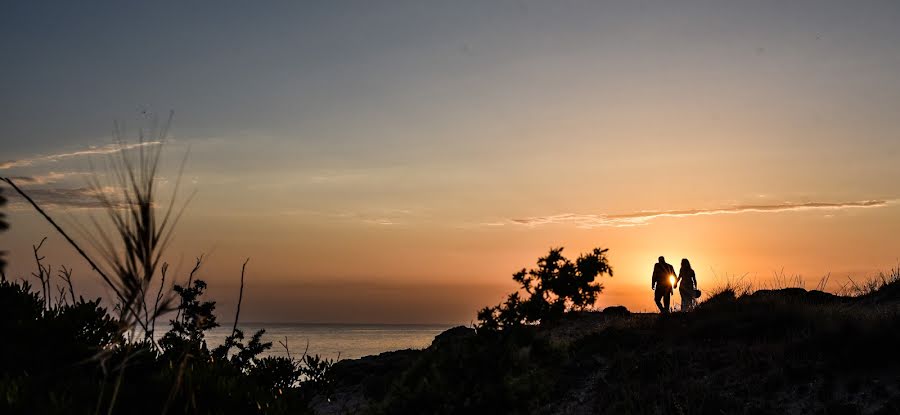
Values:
[(383, 216), (56, 198), (380, 221), (492, 224), (107, 149), (49, 178), (588, 221)]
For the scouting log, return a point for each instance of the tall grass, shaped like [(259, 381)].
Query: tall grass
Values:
[(128, 247), (142, 231), (885, 285), (871, 285)]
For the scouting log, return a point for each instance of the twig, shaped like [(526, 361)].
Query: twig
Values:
[(190, 278), (237, 313), (41, 270), (66, 275), (60, 296), (285, 345), (306, 350), (162, 282), (47, 285), (143, 305)]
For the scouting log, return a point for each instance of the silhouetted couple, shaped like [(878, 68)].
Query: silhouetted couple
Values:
[(665, 281)]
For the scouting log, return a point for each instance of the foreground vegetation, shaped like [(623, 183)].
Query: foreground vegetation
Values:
[(764, 352), (72, 358)]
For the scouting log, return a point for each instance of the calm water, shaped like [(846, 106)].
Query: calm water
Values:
[(331, 340)]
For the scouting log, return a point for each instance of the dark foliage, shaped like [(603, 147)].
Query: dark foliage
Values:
[(507, 372), (782, 351), (73, 358), (557, 285)]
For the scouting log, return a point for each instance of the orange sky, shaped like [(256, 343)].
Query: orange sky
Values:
[(321, 271), (399, 163)]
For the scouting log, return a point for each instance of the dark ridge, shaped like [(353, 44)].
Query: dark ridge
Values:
[(768, 352)]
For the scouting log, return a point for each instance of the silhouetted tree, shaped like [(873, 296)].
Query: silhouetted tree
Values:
[(557, 285)]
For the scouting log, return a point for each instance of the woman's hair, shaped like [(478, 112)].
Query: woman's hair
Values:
[(685, 263)]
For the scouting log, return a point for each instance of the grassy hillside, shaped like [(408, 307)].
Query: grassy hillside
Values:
[(768, 352)]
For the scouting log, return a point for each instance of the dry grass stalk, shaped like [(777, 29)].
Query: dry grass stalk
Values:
[(65, 274), (237, 313)]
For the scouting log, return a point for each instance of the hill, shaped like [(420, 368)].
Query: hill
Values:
[(769, 352)]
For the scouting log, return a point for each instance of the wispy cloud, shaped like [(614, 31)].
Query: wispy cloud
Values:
[(49, 178), (57, 198), (380, 221), (107, 149), (382, 217), (588, 221)]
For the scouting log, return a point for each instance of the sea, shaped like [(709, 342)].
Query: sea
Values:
[(334, 341)]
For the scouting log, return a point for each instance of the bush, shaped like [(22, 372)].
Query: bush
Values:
[(73, 358), (556, 286)]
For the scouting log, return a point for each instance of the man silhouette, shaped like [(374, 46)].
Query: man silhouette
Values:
[(663, 276)]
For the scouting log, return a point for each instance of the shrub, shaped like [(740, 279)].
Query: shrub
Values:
[(556, 286)]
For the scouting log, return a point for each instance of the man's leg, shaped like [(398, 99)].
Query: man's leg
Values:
[(666, 299), (657, 297)]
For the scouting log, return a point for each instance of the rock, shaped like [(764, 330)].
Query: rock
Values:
[(821, 297), (813, 296), (616, 310), (358, 379), (783, 292), (452, 335)]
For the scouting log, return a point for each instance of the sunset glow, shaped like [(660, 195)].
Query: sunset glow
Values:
[(398, 164)]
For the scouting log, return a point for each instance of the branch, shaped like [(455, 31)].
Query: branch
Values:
[(285, 345), (41, 270), (237, 314), (165, 268), (190, 278), (66, 275)]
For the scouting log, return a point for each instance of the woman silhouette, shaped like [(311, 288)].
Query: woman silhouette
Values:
[(688, 289)]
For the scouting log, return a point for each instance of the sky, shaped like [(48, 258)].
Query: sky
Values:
[(397, 162)]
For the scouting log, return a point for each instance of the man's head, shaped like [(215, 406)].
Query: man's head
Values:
[(662, 260)]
